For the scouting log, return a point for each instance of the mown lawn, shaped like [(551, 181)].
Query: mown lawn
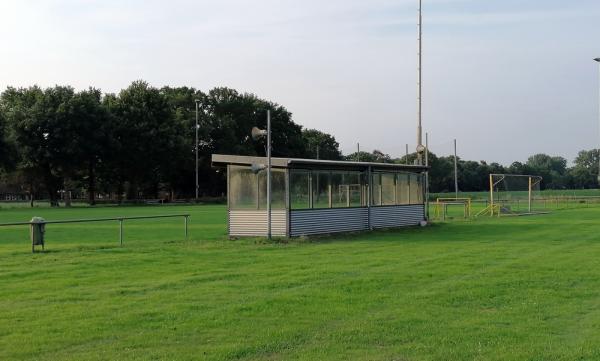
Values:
[(524, 288)]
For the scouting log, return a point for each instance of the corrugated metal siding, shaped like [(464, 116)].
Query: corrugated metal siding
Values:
[(253, 223), (397, 216), (322, 221)]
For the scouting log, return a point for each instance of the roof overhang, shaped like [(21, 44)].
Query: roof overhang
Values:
[(221, 160)]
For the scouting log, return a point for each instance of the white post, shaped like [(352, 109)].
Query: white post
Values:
[(455, 171), (427, 176), (492, 195), (598, 60), (358, 152), (268, 174), (420, 86), (530, 195), (186, 227), (196, 148), (369, 196), (121, 232)]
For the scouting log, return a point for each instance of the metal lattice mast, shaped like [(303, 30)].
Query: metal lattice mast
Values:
[(420, 88), (598, 60)]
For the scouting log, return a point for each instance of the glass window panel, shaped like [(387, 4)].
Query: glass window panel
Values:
[(339, 190), (355, 189), (403, 188), (278, 200), (277, 189), (320, 189), (299, 189), (421, 184), (243, 188), (365, 189), (376, 194), (416, 189), (388, 189)]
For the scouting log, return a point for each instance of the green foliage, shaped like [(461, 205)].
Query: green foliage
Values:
[(39, 120), (375, 156), (231, 115), (473, 176), (138, 142), (145, 138), (552, 169), (182, 102), (585, 172), (6, 154), (515, 288), (321, 145), (141, 143), (87, 136)]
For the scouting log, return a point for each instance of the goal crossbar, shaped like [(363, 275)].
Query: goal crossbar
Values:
[(496, 207)]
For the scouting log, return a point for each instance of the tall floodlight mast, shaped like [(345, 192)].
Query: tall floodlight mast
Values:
[(598, 61), (420, 147), (196, 147)]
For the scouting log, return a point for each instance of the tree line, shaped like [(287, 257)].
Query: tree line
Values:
[(140, 143), (473, 176)]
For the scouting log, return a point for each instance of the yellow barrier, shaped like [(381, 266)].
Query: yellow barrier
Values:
[(492, 209), (441, 206)]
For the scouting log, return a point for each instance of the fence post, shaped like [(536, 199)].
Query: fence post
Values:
[(186, 226), (121, 232)]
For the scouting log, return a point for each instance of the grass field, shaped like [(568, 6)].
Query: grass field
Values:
[(515, 288)]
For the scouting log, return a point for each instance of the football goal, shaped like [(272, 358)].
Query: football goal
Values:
[(513, 194)]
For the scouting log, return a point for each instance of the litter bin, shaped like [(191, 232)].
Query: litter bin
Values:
[(37, 228)]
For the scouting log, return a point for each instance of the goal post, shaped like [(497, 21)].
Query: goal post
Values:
[(512, 194)]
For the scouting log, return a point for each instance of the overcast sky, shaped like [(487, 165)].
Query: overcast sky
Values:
[(508, 78)]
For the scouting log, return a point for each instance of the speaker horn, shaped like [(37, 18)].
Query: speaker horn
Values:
[(255, 168), (258, 133)]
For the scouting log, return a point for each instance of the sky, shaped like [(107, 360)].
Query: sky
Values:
[(506, 78)]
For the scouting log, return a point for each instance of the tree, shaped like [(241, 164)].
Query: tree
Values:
[(442, 174), (518, 168), (38, 120), (584, 174), (227, 119), (182, 101), (438, 169), (6, 155), (376, 156), (87, 133), (552, 169), (143, 141), (145, 138), (320, 145), (231, 116), (381, 157), (470, 177)]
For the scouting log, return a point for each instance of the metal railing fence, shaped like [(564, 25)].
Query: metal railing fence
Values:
[(119, 219)]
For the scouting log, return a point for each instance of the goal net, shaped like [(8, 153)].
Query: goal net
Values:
[(514, 194)]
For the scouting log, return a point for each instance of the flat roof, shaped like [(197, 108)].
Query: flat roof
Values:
[(222, 160)]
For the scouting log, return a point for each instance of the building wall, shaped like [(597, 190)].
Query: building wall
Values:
[(397, 216), (323, 221), (253, 223)]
